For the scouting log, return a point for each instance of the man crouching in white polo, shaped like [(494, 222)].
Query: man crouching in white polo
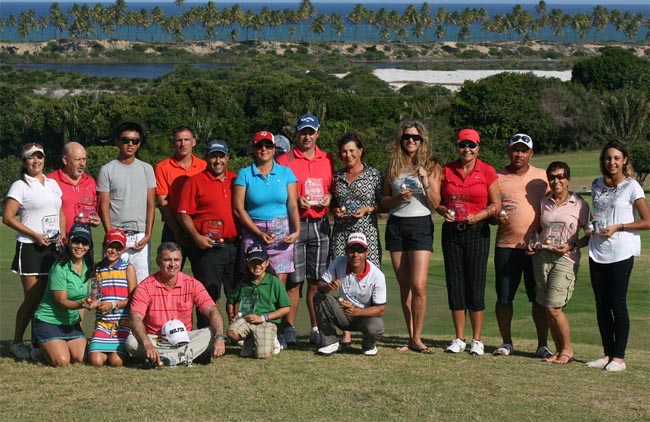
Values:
[(361, 298)]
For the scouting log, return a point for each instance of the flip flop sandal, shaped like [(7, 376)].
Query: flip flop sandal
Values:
[(504, 350)]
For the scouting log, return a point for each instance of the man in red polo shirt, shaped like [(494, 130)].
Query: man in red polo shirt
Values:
[(161, 320), (171, 174), (205, 211), (313, 168), (79, 190)]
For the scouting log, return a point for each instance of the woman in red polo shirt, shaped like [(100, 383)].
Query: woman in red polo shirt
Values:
[(470, 196)]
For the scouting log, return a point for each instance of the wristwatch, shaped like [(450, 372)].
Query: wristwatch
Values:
[(574, 246), (219, 337)]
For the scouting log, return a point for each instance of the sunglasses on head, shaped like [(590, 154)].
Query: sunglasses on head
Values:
[(467, 144), (134, 141), (524, 138), (30, 145), (415, 138), (552, 177), (356, 249), (265, 145)]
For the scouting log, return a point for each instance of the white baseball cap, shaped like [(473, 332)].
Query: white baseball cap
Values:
[(175, 333), (357, 239)]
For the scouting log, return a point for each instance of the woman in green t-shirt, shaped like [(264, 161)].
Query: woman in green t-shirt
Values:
[(57, 322)]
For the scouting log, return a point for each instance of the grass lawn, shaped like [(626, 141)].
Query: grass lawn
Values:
[(299, 385)]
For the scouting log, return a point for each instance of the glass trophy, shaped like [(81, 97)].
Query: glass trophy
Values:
[(533, 240), (51, 229), (278, 229), (215, 230), (508, 206), (83, 211), (459, 206), (247, 305), (314, 191), (94, 289), (130, 228), (553, 237), (600, 222)]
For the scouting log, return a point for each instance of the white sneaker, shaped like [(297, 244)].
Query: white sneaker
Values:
[(614, 366), (598, 363), (476, 348), (290, 335), (277, 347), (247, 350), (370, 352), (20, 350), (314, 336), (329, 350), (283, 343), (456, 346)]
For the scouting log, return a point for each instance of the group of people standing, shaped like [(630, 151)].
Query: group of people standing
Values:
[(264, 232)]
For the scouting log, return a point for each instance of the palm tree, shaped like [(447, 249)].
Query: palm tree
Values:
[(520, 20), (57, 19), (600, 18), (209, 18), (581, 24), (557, 20), (317, 25), (632, 25), (306, 10), (337, 25), (158, 18), (25, 23), (356, 17)]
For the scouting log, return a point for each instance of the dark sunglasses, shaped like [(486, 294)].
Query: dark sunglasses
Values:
[(415, 138), (552, 177), (134, 141), (467, 144), (265, 145), (355, 249), (80, 240)]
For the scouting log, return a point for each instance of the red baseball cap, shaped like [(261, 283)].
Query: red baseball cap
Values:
[(468, 135), (115, 235), (263, 135)]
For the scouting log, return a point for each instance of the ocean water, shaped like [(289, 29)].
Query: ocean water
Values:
[(302, 32)]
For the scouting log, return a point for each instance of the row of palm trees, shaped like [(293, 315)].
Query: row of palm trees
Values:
[(208, 22)]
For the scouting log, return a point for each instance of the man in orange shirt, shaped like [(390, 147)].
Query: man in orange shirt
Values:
[(522, 189), (171, 174)]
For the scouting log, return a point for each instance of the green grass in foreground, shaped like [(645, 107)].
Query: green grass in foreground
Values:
[(299, 385)]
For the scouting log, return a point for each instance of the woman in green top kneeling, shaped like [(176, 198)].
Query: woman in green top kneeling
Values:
[(57, 323), (258, 302)]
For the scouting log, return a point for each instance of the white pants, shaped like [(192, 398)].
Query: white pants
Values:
[(139, 258), (200, 342)]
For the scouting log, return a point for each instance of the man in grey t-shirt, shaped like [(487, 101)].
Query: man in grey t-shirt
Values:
[(127, 196)]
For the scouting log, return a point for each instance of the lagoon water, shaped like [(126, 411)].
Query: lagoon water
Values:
[(363, 33)]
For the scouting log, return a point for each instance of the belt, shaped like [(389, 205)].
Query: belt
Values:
[(313, 220), (228, 241), (464, 226)]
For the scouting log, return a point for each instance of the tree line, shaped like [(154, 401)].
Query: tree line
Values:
[(98, 21), (607, 98)]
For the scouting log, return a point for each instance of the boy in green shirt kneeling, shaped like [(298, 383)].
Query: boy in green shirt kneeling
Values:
[(259, 302)]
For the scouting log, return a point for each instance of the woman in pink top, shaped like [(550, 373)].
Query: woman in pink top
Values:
[(557, 255)]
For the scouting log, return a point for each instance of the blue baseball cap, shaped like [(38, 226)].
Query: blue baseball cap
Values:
[(216, 146), (256, 251), (80, 231), (308, 120)]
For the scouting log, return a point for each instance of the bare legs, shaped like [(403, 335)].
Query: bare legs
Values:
[(33, 288), (63, 353), (99, 359), (475, 318), (561, 333), (411, 270)]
